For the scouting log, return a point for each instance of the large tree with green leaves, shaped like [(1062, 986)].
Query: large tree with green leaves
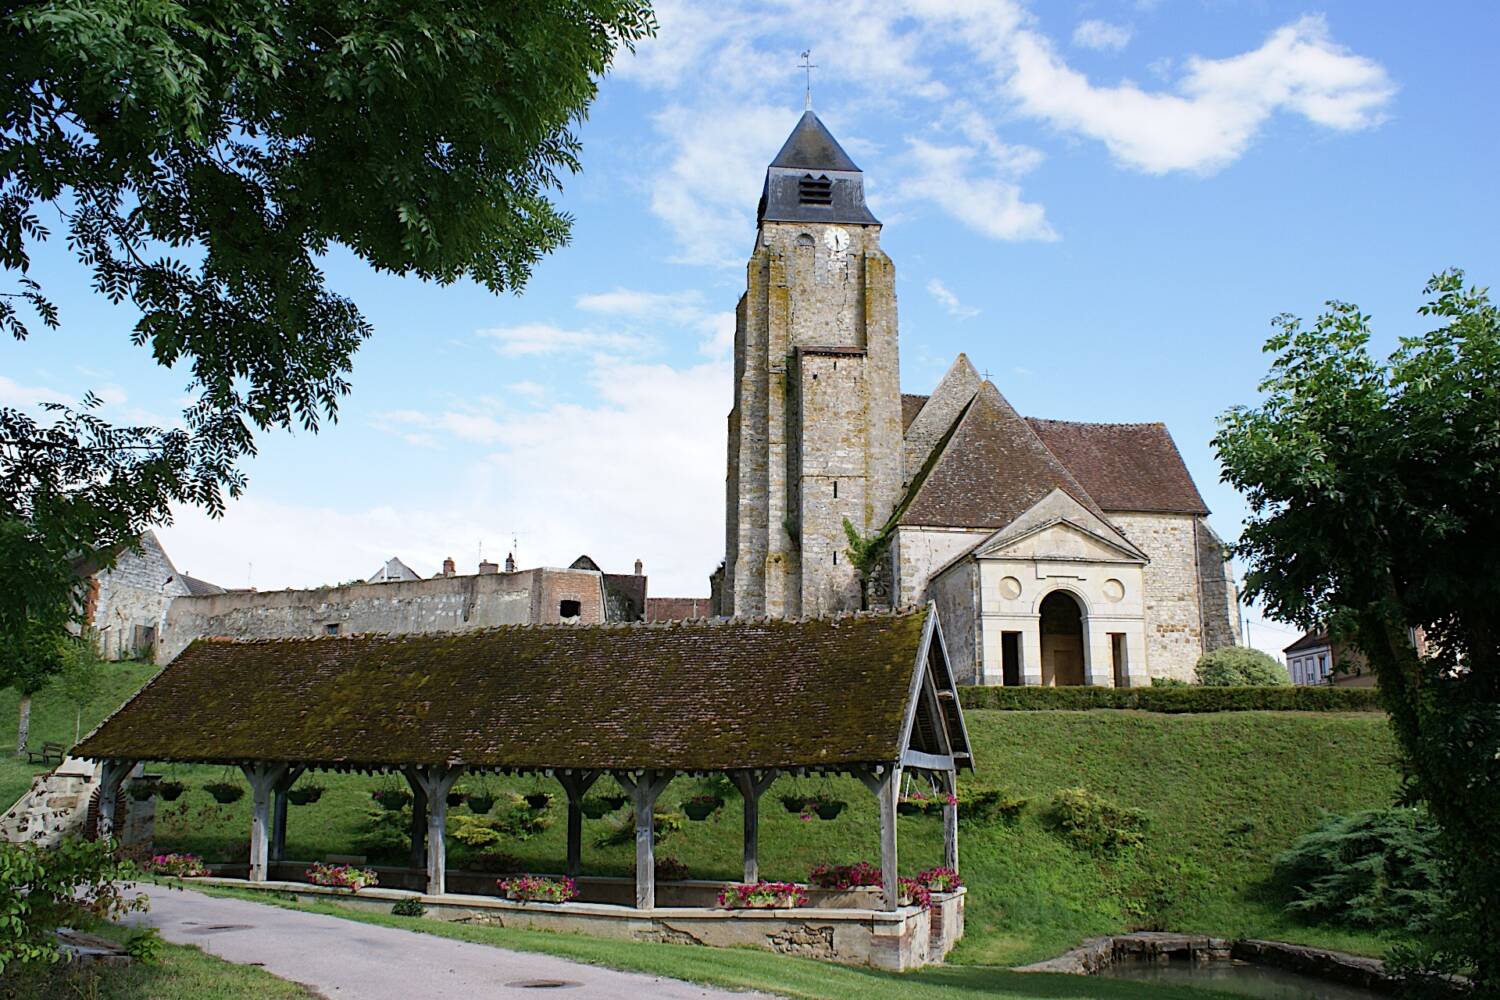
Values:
[(198, 159), (1374, 487)]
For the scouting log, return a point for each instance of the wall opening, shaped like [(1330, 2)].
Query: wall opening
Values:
[(1117, 656), (569, 609), (332, 628), (835, 489), (1062, 640), (815, 190), (1010, 659)]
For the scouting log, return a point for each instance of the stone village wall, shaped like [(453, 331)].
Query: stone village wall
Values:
[(441, 604)]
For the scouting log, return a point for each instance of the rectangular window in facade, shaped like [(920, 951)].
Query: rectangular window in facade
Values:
[(1010, 659), (1117, 657)]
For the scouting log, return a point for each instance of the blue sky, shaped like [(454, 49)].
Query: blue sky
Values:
[(1102, 203)]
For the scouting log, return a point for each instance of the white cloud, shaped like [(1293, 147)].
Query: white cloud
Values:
[(537, 339), (637, 471), (1102, 36), (27, 397), (634, 303), (1220, 104), (528, 389), (954, 178), (949, 301)]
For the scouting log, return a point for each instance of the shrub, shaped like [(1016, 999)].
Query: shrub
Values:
[(341, 876), (1239, 666), (990, 805), (498, 862), (1094, 823), (386, 832), (536, 889), (75, 884), (1377, 868), (1194, 698), (1168, 682), (670, 870), (144, 945), (763, 896), (853, 876), (409, 907)]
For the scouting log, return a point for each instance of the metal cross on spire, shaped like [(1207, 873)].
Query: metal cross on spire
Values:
[(808, 65)]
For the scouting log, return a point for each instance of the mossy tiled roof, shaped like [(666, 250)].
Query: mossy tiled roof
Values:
[(700, 695)]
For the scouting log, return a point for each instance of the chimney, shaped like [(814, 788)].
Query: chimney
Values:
[(485, 566), (510, 562), (449, 567), (640, 567)]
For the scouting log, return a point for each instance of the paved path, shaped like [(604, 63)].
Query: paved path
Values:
[(349, 960)]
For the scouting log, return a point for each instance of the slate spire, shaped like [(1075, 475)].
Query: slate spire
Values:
[(812, 179)]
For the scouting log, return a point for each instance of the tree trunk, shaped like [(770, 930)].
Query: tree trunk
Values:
[(23, 726)]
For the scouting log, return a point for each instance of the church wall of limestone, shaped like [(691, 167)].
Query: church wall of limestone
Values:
[(987, 513)]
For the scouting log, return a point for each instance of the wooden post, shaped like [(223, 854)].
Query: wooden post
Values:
[(263, 778), (278, 820), (417, 832), (644, 790), (111, 775), (576, 784), (885, 782), (948, 781), (752, 786), (435, 783)]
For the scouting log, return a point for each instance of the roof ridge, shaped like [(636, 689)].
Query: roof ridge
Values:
[(1098, 423)]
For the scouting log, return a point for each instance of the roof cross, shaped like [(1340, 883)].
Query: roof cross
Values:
[(808, 65)]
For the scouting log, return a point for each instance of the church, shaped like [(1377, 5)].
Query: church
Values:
[(1056, 552)]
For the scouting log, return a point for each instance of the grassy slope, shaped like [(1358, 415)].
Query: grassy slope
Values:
[(1225, 793), (180, 973), (52, 719)]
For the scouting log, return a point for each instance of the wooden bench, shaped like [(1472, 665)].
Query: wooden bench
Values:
[(49, 754)]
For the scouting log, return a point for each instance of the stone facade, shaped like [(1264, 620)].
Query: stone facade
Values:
[(441, 604), (1174, 612), (128, 602), (815, 433)]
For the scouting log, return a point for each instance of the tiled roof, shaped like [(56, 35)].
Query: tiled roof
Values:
[(1124, 467), (991, 469), (199, 588), (911, 405), (674, 609), (705, 695), (1309, 640)]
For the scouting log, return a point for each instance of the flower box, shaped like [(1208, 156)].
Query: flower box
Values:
[(225, 792), (845, 877), (827, 808), (393, 799), (480, 804), (794, 803), (170, 791), (537, 889), (177, 865), (341, 876), (940, 879), (763, 896), (538, 801)]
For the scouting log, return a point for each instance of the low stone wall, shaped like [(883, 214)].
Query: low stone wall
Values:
[(54, 807), (904, 939)]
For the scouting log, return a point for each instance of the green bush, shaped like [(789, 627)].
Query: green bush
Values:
[(1094, 823), (1168, 682), (1194, 698), (1240, 666), (74, 884), (410, 907), (990, 805), (1377, 868)]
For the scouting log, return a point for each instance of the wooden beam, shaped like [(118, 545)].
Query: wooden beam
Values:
[(111, 776), (645, 788), (752, 785), (927, 761), (278, 821), (263, 779), (948, 781), (576, 784), (416, 858), (887, 788), (435, 783)]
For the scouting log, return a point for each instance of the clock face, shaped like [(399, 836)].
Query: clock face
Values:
[(836, 240)]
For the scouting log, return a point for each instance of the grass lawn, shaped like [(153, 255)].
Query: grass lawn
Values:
[(1224, 793), (53, 719), (744, 969), (180, 973)]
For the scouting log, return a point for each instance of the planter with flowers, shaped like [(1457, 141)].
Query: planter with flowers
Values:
[(763, 896), (911, 892), (826, 806), (845, 877), (914, 804), (793, 802), (456, 798), (341, 876), (701, 807), (538, 801), (170, 790), (940, 879), (225, 792), (480, 803), (177, 865), (394, 799), (304, 795), (538, 889)]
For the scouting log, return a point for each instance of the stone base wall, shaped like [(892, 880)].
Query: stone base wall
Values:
[(893, 941), (54, 807)]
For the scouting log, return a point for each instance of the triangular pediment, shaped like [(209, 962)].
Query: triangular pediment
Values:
[(935, 736), (1059, 528)]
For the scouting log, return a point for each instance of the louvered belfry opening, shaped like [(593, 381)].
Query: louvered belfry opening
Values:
[(815, 190)]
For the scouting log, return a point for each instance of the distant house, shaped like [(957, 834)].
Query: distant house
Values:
[(127, 604), (1318, 659), (671, 609), (392, 571)]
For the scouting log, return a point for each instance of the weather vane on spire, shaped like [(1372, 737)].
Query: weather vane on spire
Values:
[(808, 65)]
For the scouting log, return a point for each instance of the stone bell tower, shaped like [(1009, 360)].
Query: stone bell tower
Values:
[(815, 433)]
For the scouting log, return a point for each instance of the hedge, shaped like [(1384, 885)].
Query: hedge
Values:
[(1175, 699)]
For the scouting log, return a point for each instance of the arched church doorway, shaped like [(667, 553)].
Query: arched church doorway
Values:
[(1062, 639)]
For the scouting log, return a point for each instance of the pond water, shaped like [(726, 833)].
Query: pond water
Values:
[(1241, 978)]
